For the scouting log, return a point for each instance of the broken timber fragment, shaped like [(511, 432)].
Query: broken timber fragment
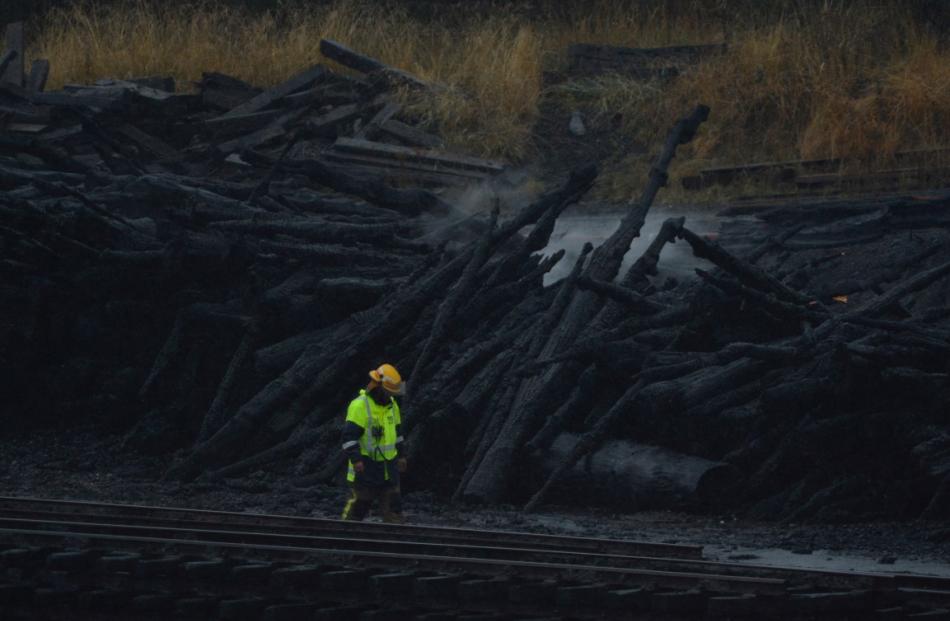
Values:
[(410, 135), (407, 201), (157, 147), (238, 123), (275, 129), (7, 60), (370, 129), (635, 476), (370, 66), (13, 72), (335, 117), (39, 73), (439, 161), (298, 82), (620, 294), (223, 91), (746, 272), (115, 101)]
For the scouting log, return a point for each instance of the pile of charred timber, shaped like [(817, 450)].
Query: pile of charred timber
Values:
[(210, 276)]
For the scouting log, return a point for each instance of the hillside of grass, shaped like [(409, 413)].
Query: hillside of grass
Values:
[(855, 79)]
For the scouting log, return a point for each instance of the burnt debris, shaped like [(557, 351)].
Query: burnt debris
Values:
[(211, 273)]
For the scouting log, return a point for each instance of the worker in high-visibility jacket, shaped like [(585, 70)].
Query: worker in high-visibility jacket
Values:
[(372, 439)]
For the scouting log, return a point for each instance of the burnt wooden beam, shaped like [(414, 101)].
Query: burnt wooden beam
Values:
[(39, 74), (407, 201), (895, 294), (224, 92), (625, 296), (324, 123), (365, 64), (636, 276), (425, 156), (768, 301), (7, 60), (272, 131), (15, 43), (156, 146), (241, 123), (410, 135), (371, 128), (300, 81), (747, 273)]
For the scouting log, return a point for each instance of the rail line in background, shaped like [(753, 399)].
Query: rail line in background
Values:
[(69, 550)]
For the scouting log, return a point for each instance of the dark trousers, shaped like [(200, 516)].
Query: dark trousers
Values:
[(362, 498)]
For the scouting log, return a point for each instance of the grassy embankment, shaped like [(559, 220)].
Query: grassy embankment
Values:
[(857, 79)]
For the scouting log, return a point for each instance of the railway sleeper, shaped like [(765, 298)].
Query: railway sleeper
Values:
[(53, 511), (238, 588)]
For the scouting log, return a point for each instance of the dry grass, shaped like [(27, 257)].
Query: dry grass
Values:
[(858, 79), (495, 63)]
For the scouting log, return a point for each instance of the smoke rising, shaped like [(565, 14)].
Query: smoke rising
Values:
[(677, 260)]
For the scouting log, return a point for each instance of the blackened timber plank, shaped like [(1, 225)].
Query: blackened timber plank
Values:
[(6, 60), (274, 129), (238, 123), (13, 73), (24, 112), (431, 156), (155, 146), (401, 177), (39, 73), (365, 64), (300, 81), (27, 128), (403, 166), (349, 58), (68, 100), (371, 189), (336, 116), (325, 94), (409, 134), (370, 130)]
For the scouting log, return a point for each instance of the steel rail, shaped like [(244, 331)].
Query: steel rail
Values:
[(794, 576), (24, 507), (90, 518), (484, 566)]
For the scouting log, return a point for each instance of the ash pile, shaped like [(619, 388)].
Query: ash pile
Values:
[(210, 275)]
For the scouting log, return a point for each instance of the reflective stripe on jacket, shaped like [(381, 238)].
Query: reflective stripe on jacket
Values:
[(374, 430)]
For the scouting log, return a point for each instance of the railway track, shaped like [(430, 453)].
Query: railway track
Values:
[(66, 559)]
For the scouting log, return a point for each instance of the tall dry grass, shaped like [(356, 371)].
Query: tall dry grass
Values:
[(494, 63), (812, 78)]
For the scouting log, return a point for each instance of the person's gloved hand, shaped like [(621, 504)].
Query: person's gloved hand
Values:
[(402, 464), (358, 467)]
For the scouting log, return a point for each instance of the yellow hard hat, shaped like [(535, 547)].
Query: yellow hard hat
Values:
[(389, 378)]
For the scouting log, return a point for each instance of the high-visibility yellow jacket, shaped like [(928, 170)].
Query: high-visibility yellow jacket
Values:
[(372, 434)]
